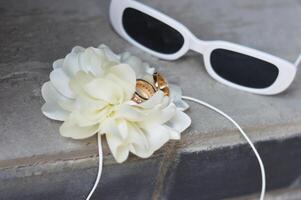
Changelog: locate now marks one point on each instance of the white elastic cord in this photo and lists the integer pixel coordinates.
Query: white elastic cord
(243, 134)
(100, 159)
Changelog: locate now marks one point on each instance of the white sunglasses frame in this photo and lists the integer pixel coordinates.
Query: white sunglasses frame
(287, 70)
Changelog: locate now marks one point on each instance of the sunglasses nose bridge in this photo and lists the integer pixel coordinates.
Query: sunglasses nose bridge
(197, 45)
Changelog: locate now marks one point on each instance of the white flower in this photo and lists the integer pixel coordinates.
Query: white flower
(91, 91)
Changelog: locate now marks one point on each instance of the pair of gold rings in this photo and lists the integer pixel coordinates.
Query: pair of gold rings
(145, 90)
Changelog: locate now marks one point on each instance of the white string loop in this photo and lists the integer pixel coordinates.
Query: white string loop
(263, 184)
(100, 161)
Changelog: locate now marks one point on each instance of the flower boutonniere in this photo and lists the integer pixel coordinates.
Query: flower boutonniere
(95, 91)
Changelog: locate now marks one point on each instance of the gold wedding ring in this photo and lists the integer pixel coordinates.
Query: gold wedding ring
(145, 90)
(161, 83)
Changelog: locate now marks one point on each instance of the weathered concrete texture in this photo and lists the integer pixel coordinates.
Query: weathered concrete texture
(45, 31)
(137, 181)
(234, 171)
(221, 173)
(282, 194)
(35, 33)
(126, 182)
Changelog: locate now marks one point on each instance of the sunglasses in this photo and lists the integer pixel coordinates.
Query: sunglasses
(231, 64)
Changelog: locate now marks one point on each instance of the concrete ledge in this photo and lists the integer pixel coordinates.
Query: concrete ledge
(221, 173)
(38, 163)
(75, 181)
(287, 194)
(233, 171)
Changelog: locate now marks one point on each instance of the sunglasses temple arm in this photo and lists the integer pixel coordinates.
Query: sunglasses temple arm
(298, 61)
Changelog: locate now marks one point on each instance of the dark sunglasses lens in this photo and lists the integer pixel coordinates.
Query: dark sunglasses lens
(242, 69)
(151, 32)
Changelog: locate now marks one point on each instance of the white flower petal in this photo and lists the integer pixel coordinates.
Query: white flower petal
(173, 134)
(119, 150)
(175, 92)
(131, 113)
(135, 63)
(161, 116)
(141, 69)
(140, 151)
(176, 96)
(88, 104)
(125, 73)
(105, 90)
(122, 127)
(109, 126)
(54, 111)
(149, 78)
(137, 138)
(92, 61)
(61, 82)
(179, 122)
(69, 129)
(109, 53)
(71, 64)
(156, 99)
(67, 105)
(127, 88)
(148, 69)
(50, 94)
(58, 64)
(157, 136)
(85, 117)
(77, 49)
(53, 98)
(181, 105)
(122, 153)
(117, 127)
(77, 83)
(137, 135)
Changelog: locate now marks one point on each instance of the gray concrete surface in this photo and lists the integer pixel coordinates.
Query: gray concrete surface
(287, 194)
(35, 33)
(233, 171)
(126, 182)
